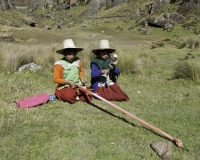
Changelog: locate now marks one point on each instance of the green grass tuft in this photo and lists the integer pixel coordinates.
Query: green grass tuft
(187, 70)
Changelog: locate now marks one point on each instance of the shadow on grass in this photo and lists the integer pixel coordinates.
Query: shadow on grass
(121, 118)
(126, 121)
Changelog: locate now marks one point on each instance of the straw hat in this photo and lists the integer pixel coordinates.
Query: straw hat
(104, 45)
(68, 44)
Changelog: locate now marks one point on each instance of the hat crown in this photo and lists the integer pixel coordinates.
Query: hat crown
(104, 44)
(68, 43)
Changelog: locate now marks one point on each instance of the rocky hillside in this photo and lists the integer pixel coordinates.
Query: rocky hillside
(50, 14)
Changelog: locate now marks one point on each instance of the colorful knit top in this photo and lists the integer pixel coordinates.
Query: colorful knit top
(64, 70)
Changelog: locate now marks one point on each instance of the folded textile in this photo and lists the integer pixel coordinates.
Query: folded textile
(52, 97)
(28, 102)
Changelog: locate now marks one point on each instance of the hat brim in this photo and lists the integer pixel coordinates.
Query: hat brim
(62, 51)
(110, 50)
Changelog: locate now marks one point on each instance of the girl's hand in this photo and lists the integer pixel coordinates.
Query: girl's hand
(71, 84)
(105, 71)
(83, 80)
(111, 66)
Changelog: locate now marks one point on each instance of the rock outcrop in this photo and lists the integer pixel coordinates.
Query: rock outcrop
(148, 13)
(6, 37)
(158, 4)
(35, 4)
(188, 6)
(165, 20)
(7, 4)
(117, 2)
(96, 5)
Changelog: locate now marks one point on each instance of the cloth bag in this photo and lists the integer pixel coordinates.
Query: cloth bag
(28, 102)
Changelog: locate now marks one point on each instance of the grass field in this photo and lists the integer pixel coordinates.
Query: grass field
(61, 131)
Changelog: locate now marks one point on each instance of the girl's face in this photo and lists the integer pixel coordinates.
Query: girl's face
(70, 55)
(104, 55)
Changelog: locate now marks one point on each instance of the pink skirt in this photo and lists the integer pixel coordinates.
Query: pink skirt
(112, 93)
(72, 95)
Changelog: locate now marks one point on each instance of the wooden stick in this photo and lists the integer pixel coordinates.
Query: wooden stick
(173, 139)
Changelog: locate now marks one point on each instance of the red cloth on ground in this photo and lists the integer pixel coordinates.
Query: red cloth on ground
(112, 93)
(69, 95)
(32, 101)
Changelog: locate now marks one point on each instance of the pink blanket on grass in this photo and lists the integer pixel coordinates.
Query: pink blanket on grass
(28, 102)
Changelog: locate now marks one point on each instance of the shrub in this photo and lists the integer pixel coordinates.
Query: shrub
(157, 45)
(15, 60)
(181, 43)
(13, 56)
(187, 70)
(138, 63)
(192, 43)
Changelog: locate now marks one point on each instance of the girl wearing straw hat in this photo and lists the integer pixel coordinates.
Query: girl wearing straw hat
(68, 72)
(104, 73)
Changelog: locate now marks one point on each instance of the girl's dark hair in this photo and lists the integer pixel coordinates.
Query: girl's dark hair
(100, 51)
(66, 51)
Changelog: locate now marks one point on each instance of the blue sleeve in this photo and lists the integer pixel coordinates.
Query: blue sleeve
(95, 71)
(116, 71)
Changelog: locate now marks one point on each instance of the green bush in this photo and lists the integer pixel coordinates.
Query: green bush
(138, 63)
(192, 43)
(157, 44)
(187, 70)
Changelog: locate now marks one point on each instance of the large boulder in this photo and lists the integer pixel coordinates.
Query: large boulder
(188, 6)
(157, 5)
(165, 21)
(151, 7)
(167, 18)
(74, 3)
(96, 5)
(162, 19)
(117, 2)
(29, 21)
(175, 17)
(87, 1)
(7, 4)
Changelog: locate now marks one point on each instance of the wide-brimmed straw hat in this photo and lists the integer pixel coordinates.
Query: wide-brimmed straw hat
(104, 45)
(68, 44)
